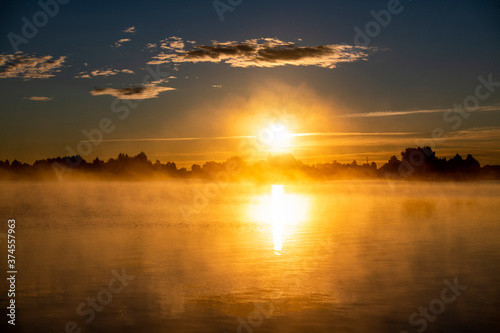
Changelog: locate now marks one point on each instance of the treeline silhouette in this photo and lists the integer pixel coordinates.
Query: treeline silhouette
(419, 163)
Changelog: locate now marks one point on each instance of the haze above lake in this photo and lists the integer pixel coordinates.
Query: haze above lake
(344, 256)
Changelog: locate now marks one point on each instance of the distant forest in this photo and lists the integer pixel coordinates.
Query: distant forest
(419, 163)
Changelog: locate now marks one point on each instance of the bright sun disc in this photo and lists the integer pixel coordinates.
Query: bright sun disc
(276, 137)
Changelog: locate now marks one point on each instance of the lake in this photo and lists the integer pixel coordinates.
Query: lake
(342, 256)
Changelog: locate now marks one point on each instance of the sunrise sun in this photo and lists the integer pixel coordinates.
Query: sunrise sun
(276, 137)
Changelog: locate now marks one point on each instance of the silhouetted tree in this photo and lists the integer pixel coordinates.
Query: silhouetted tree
(416, 163)
(391, 166)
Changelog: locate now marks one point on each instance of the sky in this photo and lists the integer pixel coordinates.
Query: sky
(194, 81)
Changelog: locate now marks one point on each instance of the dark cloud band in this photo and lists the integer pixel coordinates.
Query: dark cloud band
(263, 52)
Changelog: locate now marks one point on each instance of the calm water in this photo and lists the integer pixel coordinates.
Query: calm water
(336, 257)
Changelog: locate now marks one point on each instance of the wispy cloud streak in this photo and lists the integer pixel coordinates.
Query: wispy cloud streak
(180, 139)
(39, 98)
(410, 112)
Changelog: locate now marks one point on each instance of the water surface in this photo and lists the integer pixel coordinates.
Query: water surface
(344, 256)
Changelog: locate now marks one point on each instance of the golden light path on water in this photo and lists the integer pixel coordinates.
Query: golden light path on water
(282, 211)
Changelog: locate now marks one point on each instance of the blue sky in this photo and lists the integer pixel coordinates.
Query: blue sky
(226, 78)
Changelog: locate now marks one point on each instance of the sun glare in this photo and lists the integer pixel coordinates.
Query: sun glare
(276, 137)
(278, 207)
(282, 211)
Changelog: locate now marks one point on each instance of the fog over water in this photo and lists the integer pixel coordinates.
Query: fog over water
(346, 256)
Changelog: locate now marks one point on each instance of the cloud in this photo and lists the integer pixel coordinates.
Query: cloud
(130, 30)
(234, 137)
(350, 134)
(121, 41)
(39, 98)
(418, 111)
(109, 72)
(82, 75)
(172, 43)
(29, 67)
(104, 72)
(160, 81)
(142, 92)
(145, 91)
(477, 133)
(263, 52)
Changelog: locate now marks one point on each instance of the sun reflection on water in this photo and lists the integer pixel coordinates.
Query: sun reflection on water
(278, 216)
(282, 211)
